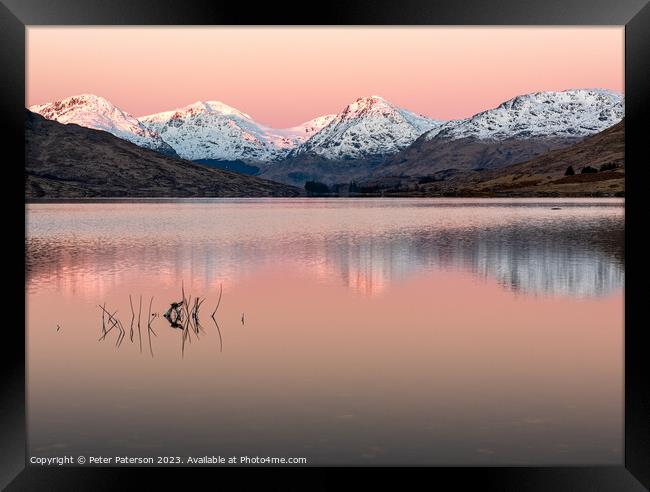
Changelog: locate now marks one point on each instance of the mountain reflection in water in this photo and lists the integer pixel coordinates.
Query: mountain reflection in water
(485, 332)
(367, 244)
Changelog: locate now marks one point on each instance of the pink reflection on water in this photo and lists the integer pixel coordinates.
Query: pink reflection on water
(414, 337)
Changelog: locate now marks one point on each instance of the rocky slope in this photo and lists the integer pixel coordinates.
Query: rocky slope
(546, 174)
(70, 161)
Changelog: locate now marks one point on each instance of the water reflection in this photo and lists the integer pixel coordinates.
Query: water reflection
(558, 259)
(350, 332)
(527, 246)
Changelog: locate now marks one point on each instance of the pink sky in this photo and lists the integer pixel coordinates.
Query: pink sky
(284, 76)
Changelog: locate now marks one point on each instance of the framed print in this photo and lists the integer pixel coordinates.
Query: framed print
(383, 239)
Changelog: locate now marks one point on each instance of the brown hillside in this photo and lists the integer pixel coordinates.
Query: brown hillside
(69, 161)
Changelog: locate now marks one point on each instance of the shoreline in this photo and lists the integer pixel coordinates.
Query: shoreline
(342, 198)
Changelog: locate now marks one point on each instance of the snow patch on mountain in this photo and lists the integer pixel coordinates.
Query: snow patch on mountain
(301, 133)
(91, 111)
(370, 126)
(214, 130)
(570, 113)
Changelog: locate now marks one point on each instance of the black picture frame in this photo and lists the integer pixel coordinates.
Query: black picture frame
(15, 15)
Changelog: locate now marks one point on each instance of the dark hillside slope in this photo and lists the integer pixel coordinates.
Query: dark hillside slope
(69, 161)
(546, 174)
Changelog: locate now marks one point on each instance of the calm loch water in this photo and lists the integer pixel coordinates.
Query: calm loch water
(415, 331)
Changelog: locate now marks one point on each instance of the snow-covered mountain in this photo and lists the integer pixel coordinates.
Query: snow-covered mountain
(516, 131)
(370, 126)
(570, 113)
(91, 111)
(365, 134)
(214, 130)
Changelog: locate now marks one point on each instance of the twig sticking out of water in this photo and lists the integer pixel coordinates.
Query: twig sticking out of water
(149, 329)
(132, 319)
(219, 300)
(103, 322)
(186, 324)
(115, 323)
(188, 312)
(58, 327)
(215, 321)
(120, 337)
(188, 317)
(153, 316)
(111, 319)
(139, 331)
(195, 315)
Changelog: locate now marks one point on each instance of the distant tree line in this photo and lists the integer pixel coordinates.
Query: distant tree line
(427, 179)
(316, 188)
(357, 188)
(590, 170)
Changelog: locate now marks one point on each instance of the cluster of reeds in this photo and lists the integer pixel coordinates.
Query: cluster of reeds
(182, 315)
(185, 316)
(110, 321)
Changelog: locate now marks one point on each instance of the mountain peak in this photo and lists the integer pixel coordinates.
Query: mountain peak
(369, 126)
(85, 97)
(216, 131)
(372, 99)
(194, 110)
(212, 106)
(97, 112)
(367, 104)
(73, 103)
(583, 96)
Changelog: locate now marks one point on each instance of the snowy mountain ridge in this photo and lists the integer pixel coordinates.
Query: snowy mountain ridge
(91, 111)
(214, 130)
(570, 113)
(370, 126)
